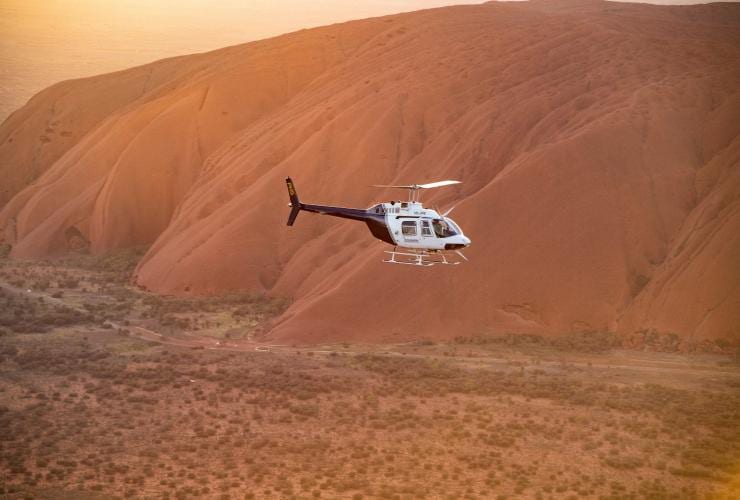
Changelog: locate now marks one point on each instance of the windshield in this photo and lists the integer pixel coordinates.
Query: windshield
(453, 225)
(442, 229)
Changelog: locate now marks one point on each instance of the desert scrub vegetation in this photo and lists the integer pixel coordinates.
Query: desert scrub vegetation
(95, 415)
(238, 304)
(97, 289)
(22, 314)
(592, 342)
(114, 269)
(117, 265)
(603, 342)
(231, 316)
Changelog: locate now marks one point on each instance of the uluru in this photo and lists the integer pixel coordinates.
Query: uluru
(598, 145)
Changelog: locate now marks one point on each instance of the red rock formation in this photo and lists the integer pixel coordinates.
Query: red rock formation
(597, 143)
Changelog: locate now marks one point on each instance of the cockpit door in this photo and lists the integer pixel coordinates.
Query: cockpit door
(426, 229)
(410, 231)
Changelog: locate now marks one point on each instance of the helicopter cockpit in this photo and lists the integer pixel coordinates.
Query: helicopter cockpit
(445, 228)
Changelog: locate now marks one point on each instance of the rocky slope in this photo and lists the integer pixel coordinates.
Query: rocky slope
(598, 144)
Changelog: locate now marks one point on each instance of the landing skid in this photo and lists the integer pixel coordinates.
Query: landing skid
(421, 258)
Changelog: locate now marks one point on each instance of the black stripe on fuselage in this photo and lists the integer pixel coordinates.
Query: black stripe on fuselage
(380, 229)
(375, 222)
(345, 213)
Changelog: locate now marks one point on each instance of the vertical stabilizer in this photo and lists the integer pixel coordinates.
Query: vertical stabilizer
(295, 205)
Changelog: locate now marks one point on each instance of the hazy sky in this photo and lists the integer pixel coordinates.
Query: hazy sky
(45, 41)
(220, 20)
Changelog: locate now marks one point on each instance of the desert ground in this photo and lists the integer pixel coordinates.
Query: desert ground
(109, 391)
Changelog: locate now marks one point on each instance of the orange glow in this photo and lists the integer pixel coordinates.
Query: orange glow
(45, 41)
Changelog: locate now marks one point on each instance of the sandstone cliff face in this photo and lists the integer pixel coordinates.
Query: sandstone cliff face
(598, 145)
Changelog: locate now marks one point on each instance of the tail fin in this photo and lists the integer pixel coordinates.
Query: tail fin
(294, 203)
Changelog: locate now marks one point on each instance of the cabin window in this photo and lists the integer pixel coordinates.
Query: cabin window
(425, 229)
(408, 228)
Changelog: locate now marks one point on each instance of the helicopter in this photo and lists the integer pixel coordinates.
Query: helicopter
(424, 236)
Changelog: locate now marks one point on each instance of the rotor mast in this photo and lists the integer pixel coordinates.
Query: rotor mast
(414, 193)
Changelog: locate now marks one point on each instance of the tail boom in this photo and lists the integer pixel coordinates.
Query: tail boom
(345, 213)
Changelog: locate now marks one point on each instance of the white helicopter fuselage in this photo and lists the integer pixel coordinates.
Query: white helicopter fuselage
(412, 226)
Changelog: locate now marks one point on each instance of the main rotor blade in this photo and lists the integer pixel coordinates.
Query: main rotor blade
(437, 184)
(399, 187)
(419, 186)
(448, 212)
